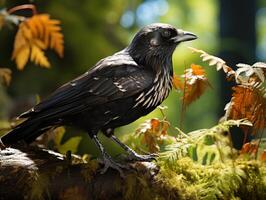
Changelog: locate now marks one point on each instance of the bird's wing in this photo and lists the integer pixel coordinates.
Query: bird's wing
(111, 79)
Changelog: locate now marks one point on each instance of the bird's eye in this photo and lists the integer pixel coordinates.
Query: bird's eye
(166, 33)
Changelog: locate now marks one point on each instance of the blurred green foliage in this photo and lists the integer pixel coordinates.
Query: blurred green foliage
(92, 31)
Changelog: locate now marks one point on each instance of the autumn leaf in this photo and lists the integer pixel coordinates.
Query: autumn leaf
(35, 35)
(248, 103)
(249, 148)
(263, 156)
(177, 83)
(153, 133)
(5, 75)
(195, 84)
(155, 125)
(48, 31)
(38, 57)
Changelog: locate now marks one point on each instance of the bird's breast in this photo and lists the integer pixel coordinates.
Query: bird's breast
(155, 95)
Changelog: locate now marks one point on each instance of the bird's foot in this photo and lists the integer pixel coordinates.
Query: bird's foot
(133, 156)
(110, 163)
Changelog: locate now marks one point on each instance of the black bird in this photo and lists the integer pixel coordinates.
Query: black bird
(118, 90)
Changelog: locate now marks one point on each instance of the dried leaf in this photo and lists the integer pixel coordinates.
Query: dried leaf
(165, 126)
(248, 103)
(5, 75)
(177, 83)
(155, 125)
(245, 72)
(195, 84)
(153, 133)
(249, 148)
(260, 65)
(263, 156)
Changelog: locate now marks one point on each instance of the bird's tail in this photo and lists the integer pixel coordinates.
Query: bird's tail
(26, 131)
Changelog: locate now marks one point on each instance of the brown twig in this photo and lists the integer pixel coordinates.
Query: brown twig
(183, 106)
(23, 7)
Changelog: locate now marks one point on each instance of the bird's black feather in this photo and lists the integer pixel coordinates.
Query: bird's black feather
(116, 91)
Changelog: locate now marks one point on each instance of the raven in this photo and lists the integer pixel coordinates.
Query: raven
(118, 90)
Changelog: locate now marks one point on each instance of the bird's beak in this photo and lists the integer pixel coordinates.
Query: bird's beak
(184, 36)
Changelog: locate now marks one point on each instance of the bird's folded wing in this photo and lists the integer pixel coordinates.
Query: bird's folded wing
(99, 86)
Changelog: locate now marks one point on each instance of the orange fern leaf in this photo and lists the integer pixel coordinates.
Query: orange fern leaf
(177, 83)
(35, 35)
(195, 84)
(38, 57)
(49, 31)
(249, 103)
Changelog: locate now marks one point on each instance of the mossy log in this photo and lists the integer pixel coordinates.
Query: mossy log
(35, 173)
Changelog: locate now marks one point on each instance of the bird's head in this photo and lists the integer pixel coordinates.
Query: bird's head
(157, 42)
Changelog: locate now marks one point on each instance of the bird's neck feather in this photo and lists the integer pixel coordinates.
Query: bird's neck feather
(160, 63)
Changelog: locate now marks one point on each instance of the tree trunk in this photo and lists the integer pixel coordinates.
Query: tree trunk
(237, 45)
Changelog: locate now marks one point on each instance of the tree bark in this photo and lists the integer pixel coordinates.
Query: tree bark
(35, 173)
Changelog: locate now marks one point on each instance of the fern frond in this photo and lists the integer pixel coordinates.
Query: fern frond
(213, 60)
(204, 146)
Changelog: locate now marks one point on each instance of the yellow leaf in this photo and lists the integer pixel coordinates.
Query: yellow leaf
(35, 35)
(20, 41)
(22, 57)
(26, 31)
(71, 144)
(49, 31)
(58, 135)
(36, 26)
(5, 75)
(39, 43)
(38, 57)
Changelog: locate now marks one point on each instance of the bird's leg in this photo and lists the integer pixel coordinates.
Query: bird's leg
(132, 154)
(107, 159)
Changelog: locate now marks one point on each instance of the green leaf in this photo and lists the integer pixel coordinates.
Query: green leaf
(71, 144)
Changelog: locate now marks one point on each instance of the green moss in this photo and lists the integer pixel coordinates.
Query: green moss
(39, 187)
(203, 165)
(189, 180)
(89, 169)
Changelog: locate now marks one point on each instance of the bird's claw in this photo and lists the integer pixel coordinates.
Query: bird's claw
(110, 163)
(142, 158)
